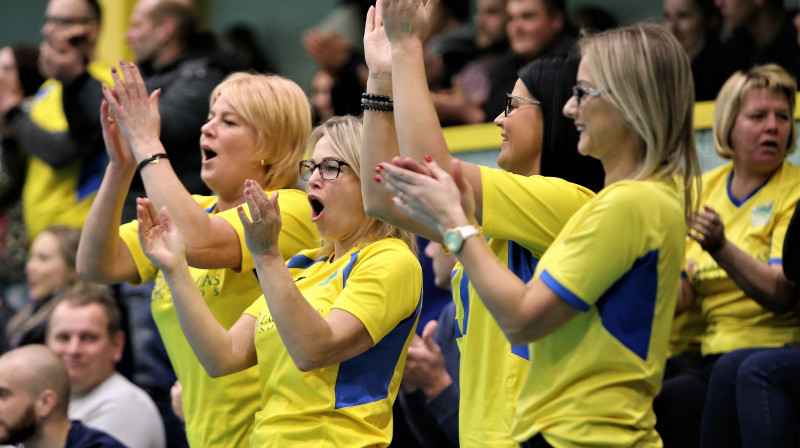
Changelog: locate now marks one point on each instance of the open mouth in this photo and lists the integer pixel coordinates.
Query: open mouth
(208, 154)
(770, 144)
(316, 207)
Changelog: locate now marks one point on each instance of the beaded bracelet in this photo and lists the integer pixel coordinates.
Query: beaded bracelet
(381, 103)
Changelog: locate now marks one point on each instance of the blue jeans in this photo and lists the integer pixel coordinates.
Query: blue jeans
(751, 399)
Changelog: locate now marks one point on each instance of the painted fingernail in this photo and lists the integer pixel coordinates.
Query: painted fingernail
(428, 158)
(378, 179)
(113, 69)
(378, 169)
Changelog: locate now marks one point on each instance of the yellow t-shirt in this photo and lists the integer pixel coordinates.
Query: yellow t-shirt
(347, 404)
(61, 195)
(219, 411)
(492, 371)
(618, 259)
(756, 225)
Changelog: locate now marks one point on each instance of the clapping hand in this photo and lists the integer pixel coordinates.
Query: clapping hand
(136, 113)
(161, 240)
(428, 193)
(403, 18)
(261, 233)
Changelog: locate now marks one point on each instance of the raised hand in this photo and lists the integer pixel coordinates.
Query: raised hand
(377, 49)
(135, 111)
(160, 238)
(404, 18)
(261, 233)
(433, 199)
(707, 229)
(119, 152)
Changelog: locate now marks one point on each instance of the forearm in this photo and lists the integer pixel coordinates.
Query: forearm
(210, 341)
(763, 283)
(309, 338)
(54, 148)
(102, 256)
(418, 129)
(379, 144)
(207, 246)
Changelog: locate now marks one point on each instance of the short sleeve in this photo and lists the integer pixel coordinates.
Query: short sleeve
(599, 246)
(383, 288)
(530, 211)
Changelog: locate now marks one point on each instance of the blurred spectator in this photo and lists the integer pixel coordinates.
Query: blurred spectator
(19, 74)
(35, 396)
(85, 331)
(696, 23)
(337, 48)
(594, 19)
(64, 165)
(51, 272)
(242, 43)
(321, 85)
(450, 43)
(762, 32)
(535, 28)
(462, 103)
(429, 393)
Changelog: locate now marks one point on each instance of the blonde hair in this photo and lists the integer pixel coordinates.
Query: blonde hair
(732, 95)
(280, 113)
(344, 136)
(650, 79)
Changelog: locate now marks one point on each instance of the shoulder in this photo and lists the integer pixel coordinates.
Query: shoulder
(81, 436)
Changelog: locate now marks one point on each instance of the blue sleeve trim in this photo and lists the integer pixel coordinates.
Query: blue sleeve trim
(567, 295)
(775, 261)
(684, 274)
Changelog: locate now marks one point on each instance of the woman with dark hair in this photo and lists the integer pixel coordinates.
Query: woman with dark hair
(597, 308)
(536, 139)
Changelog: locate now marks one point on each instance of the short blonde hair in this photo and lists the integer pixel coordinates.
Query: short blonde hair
(279, 111)
(731, 98)
(650, 79)
(344, 136)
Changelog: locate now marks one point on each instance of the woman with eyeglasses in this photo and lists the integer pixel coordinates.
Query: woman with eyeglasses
(598, 309)
(331, 332)
(257, 128)
(536, 139)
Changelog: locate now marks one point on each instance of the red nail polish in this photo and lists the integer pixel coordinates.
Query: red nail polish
(378, 169)
(378, 179)
(428, 158)
(113, 69)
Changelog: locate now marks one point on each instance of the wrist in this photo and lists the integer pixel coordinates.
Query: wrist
(380, 83)
(436, 387)
(404, 43)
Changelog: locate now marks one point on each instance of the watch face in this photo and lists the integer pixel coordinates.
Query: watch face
(452, 240)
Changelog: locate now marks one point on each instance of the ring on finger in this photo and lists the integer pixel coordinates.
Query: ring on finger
(256, 221)
(111, 119)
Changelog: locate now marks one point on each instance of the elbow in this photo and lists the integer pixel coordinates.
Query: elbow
(90, 272)
(306, 362)
(214, 371)
(516, 337)
(376, 209)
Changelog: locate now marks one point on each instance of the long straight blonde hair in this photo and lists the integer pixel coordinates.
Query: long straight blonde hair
(650, 79)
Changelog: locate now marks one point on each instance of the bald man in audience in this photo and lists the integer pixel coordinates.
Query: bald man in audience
(34, 396)
(84, 330)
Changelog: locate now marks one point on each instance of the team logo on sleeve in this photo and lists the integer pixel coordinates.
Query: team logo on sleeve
(762, 214)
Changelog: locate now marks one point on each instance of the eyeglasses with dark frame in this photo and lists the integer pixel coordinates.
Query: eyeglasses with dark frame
(510, 96)
(329, 168)
(581, 92)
